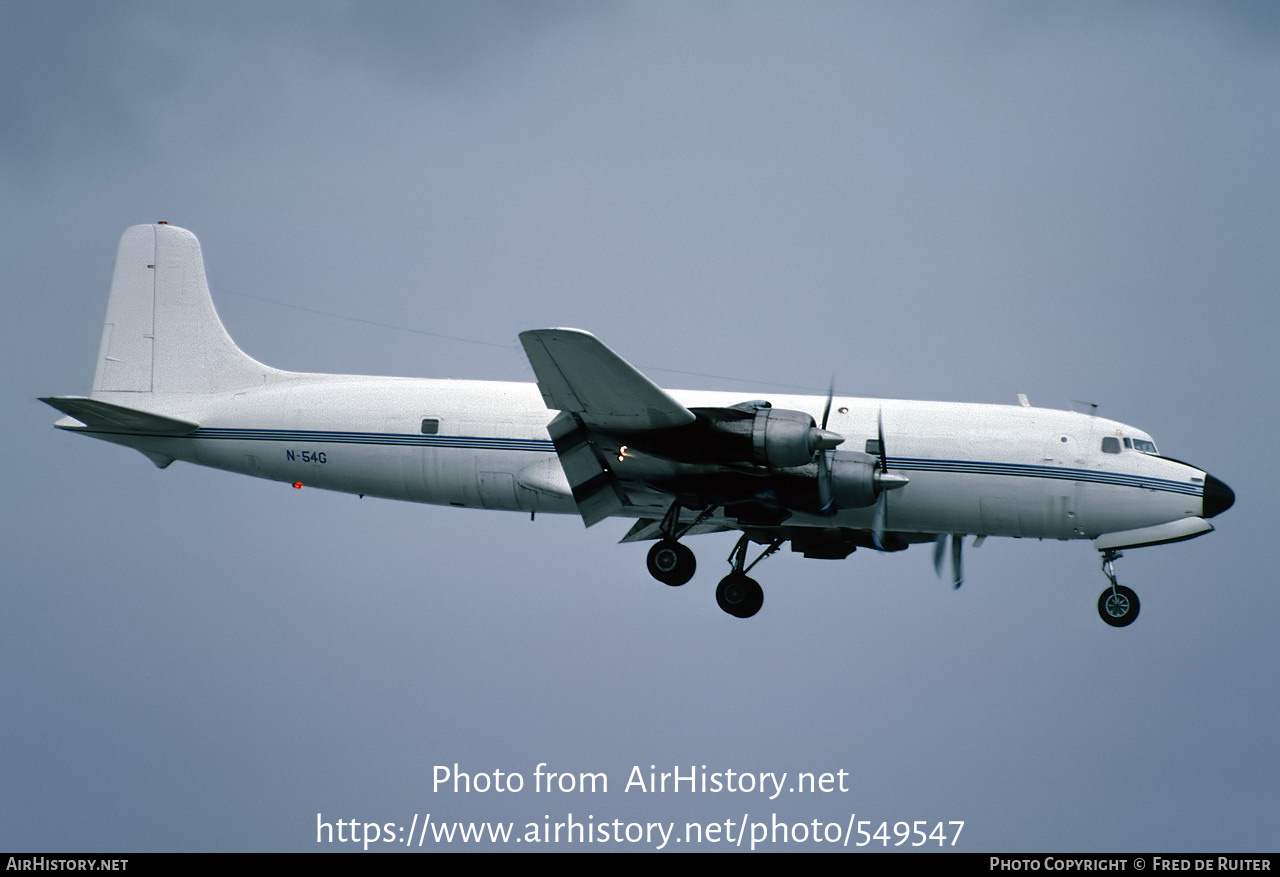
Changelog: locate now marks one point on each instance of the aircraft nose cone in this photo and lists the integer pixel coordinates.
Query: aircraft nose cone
(1217, 496)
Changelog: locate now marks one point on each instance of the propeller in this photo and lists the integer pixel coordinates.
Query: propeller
(824, 442)
(957, 546)
(826, 505)
(885, 482)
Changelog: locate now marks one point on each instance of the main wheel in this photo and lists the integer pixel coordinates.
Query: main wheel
(671, 563)
(1118, 606)
(739, 595)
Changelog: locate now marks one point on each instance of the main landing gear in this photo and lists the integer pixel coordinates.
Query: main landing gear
(1117, 605)
(673, 564)
(670, 562)
(739, 594)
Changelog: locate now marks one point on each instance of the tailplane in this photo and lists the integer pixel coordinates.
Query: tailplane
(162, 334)
(94, 415)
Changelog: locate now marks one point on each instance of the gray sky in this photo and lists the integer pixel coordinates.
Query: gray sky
(927, 200)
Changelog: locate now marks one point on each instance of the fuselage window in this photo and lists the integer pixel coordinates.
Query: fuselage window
(430, 426)
(1111, 445)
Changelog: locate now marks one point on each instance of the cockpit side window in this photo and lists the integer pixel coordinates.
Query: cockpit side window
(1110, 445)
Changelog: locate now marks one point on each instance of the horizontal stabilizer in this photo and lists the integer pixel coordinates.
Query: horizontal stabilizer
(578, 374)
(99, 416)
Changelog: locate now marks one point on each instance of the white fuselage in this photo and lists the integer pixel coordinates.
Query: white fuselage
(994, 470)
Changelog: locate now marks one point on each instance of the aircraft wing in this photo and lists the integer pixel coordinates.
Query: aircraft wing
(579, 375)
(596, 392)
(627, 447)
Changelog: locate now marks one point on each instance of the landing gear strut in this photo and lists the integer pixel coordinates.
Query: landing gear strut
(670, 562)
(1117, 605)
(739, 594)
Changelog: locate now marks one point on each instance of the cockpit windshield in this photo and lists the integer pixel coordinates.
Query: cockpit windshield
(1111, 445)
(1143, 445)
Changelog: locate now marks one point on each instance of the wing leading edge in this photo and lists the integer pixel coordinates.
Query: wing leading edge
(579, 375)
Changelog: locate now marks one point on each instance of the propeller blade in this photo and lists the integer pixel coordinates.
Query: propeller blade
(957, 571)
(823, 441)
(884, 458)
(878, 522)
(957, 559)
(826, 505)
(882, 499)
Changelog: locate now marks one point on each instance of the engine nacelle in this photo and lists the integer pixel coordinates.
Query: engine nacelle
(752, 432)
(853, 479)
(782, 439)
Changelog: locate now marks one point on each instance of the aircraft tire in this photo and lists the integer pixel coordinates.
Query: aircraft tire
(1119, 609)
(739, 595)
(671, 563)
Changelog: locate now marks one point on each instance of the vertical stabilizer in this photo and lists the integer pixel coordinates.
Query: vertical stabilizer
(162, 334)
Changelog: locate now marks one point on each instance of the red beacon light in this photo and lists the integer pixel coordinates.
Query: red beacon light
(297, 485)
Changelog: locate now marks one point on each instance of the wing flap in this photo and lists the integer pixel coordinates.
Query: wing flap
(595, 487)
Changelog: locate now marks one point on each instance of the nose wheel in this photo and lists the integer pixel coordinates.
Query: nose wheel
(1117, 605)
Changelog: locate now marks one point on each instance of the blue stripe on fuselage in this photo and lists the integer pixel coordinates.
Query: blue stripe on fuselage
(493, 443)
(976, 467)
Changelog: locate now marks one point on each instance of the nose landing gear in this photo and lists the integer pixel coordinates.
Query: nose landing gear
(1117, 605)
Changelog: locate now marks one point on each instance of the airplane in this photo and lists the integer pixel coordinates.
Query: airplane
(596, 438)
